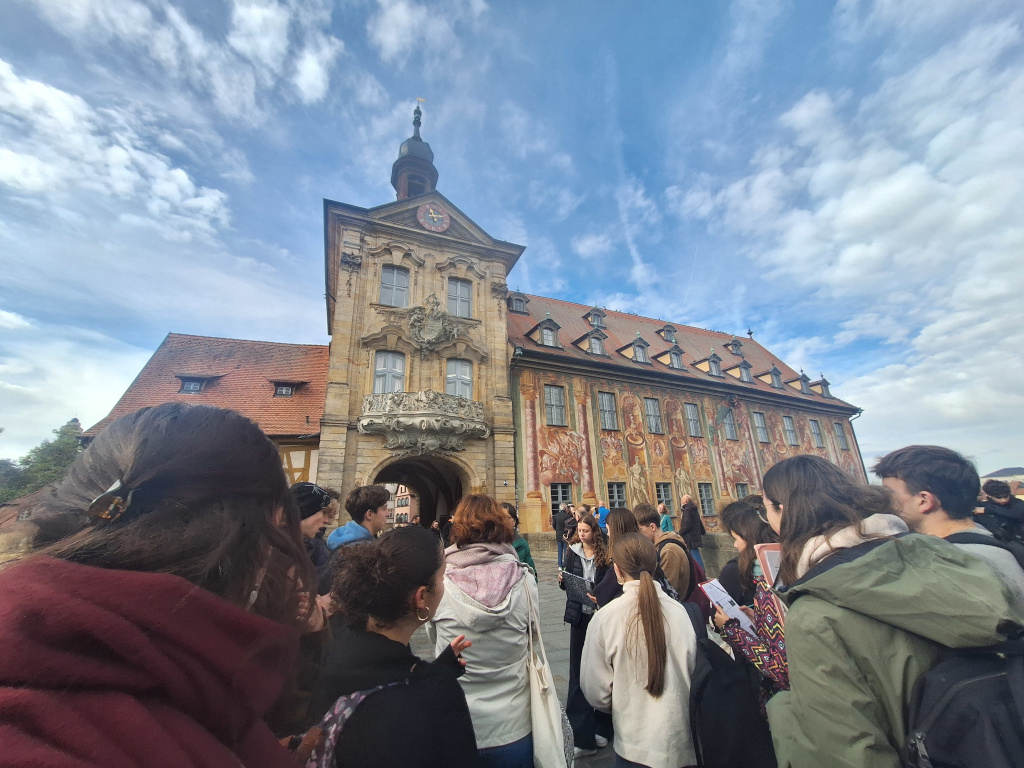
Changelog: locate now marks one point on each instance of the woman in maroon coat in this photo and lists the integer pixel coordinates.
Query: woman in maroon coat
(162, 622)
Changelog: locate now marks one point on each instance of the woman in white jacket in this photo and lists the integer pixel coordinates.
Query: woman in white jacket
(486, 599)
(637, 662)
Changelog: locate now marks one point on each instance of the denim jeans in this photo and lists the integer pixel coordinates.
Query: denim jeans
(518, 754)
(561, 551)
(696, 556)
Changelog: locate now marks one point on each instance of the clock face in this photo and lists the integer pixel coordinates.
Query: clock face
(433, 217)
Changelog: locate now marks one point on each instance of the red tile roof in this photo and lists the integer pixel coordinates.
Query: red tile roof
(621, 329)
(240, 376)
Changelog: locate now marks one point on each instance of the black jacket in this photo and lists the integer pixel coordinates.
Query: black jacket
(320, 555)
(730, 579)
(1006, 522)
(558, 523)
(691, 527)
(574, 565)
(570, 528)
(420, 725)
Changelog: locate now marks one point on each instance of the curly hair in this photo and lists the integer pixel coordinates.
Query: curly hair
(479, 519)
(600, 550)
(376, 580)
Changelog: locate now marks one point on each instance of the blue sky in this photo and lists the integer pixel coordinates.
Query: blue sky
(844, 179)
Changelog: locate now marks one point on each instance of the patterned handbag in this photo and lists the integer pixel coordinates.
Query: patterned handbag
(334, 721)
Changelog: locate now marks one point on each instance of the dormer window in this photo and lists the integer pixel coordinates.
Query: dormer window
(824, 387)
(284, 390)
(518, 305)
(596, 318)
(596, 345)
(745, 373)
(668, 333)
(804, 385)
(192, 386)
(517, 302)
(547, 337)
(675, 360)
(735, 346)
(776, 375)
(715, 365)
(640, 353)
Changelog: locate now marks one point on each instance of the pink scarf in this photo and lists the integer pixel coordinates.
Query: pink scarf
(485, 572)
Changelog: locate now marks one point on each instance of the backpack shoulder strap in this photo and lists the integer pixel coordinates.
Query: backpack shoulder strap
(969, 537)
(334, 721)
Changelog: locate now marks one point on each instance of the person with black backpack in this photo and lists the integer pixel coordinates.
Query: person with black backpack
(935, 490)
(872, 609)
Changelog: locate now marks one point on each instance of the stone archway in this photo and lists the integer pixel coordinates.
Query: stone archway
(438, 482)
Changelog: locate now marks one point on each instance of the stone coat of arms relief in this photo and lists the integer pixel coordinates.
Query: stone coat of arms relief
(430, 326)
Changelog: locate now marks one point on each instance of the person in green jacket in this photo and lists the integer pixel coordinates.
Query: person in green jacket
(869, 613)
(522, 546)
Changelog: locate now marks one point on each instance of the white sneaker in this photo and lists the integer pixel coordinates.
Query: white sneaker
(602, 742)
(579, 752)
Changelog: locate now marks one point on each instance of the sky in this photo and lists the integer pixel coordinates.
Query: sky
(846, 180)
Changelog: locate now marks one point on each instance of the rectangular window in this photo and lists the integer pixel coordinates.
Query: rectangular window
(707, 499)
(640, 353)
(761, 426)
(841, 436)
(715, 367)
(790, 429)
(664, 492)
(459, 379)
(283, 390)
(191, 386)
(742, 490)
(389, 372)
(730, 426)
(561, 493)
(394, 286)
(693, 420)
(547, 337)
(675, 360)
(554, 405)
(819, 441)
(653, 410)
(518, 305)
(616, 495)
(606, 407)
(745, 374)
(460, 297)
(596, 346)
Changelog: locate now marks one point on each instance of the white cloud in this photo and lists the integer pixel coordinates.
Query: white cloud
(900, 210)
(259, 32)
(313, 66)
(402, 29)
(592, 245)
(12, 321)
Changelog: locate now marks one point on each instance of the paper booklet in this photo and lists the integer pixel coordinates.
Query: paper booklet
(718, 595)
(577, 588)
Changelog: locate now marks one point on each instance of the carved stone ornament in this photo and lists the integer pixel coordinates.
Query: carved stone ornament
(499, 288)
(430, 326)
(351, 261)
(426, 422)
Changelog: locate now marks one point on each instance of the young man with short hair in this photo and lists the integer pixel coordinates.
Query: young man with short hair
(673, 557)
(368, 507)
(936, 490)
(1002, 513)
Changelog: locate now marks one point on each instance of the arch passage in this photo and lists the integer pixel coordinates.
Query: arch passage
(438, 483)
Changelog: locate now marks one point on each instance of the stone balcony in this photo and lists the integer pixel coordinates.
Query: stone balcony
(425, 422)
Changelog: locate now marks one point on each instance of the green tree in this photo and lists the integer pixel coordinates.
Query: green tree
(48, 462)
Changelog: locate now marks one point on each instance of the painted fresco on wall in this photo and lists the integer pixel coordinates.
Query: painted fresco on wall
(561, 456)
(735, 457)
(661, 460)
(611, 457)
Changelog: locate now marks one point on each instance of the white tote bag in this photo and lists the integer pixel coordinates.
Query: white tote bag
(552, 734)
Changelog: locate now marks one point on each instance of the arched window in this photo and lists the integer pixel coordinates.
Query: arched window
(547, 337)
(640, 353)
(388, 372)
(459, 380)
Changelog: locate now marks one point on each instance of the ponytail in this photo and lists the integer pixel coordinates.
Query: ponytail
(653, 622)
(635, 555)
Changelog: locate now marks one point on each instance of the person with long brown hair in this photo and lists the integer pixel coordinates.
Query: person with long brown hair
(486, 597)
(638, 660)
(162, 621)
(588, 559)
(871, 608)
(742, 577)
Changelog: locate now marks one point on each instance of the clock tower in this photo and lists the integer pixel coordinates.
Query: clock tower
(418, 385)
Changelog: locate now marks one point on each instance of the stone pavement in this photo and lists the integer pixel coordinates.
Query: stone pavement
(556, 642)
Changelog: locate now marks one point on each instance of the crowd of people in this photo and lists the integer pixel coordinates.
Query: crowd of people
(185, 607)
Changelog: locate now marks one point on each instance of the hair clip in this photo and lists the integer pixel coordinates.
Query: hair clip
(112, 504)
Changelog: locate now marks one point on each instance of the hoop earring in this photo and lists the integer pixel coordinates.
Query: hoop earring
(422, 618)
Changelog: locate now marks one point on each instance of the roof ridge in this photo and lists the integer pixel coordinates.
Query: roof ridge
(674, 323)
(245, 341)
